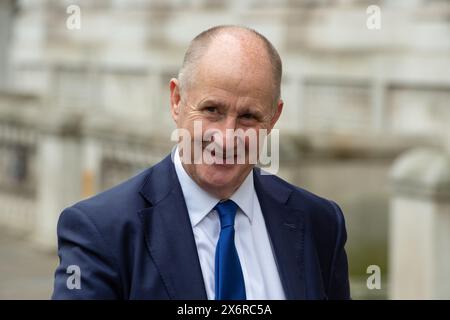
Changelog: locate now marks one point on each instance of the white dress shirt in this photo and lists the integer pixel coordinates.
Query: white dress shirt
(253, 245)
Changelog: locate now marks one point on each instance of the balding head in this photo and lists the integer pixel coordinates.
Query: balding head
(230, 80)
(231, 44)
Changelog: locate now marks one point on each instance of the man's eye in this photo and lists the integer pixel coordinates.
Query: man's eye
(211, 109)
(247, 116)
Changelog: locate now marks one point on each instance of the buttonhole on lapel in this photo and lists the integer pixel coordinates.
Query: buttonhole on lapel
(290, 225)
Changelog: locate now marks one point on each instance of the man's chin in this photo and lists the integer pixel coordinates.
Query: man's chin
(221, 175)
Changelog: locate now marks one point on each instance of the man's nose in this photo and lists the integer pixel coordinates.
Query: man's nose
(230, 122)
(227, 126)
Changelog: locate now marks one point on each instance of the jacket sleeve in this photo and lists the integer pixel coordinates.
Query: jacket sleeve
(87, 269)
(339, 288)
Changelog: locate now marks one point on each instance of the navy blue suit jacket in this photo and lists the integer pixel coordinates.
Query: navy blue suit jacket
(135, 241)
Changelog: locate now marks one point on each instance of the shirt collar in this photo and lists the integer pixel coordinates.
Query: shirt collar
(199, 202)
(244, 195)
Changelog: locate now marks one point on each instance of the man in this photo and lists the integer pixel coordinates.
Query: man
(187, 229)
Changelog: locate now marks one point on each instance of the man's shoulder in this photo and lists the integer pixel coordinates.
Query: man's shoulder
(119, 203)
(125, 195)
(121, 196)
(318, 208)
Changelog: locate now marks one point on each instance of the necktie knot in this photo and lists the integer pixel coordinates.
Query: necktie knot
(227, 212)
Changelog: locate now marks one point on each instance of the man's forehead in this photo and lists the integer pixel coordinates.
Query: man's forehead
(241, 48)
(234, 69)
(223, 87)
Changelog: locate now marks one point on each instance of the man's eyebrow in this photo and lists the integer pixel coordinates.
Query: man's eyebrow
(212, 102)
(251, 109)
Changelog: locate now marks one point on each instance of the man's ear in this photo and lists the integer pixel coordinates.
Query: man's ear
(277, 113)
(175, 99)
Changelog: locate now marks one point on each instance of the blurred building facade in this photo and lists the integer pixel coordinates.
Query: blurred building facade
(83, 109)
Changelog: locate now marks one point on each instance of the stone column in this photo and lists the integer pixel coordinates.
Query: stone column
(419, 243)
(6, 20)
(59, 172)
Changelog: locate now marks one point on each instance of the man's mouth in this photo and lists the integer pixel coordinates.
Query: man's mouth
(227, 157)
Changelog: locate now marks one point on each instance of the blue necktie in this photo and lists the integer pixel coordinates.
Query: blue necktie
(228, 274)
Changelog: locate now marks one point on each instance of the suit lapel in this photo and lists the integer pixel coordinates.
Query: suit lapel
(171, 244)
(168, 234)
(286, 231)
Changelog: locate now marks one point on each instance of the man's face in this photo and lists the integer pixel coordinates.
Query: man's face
(228, 91)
